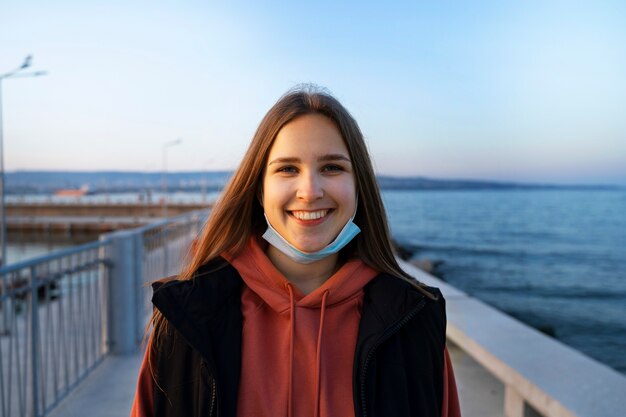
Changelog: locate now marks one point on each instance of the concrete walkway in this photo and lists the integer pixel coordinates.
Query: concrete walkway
(107, 392)
(480, 394)
(110, 389)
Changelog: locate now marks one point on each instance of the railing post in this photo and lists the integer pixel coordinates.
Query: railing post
(139, 285)
(513, 402)
(164, 242)
(34, 339)
(6, 306)
(123, 293)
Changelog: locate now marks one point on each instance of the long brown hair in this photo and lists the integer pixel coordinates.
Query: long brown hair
(238, 214)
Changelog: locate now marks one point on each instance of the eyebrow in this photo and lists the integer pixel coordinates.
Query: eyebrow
(323, 158)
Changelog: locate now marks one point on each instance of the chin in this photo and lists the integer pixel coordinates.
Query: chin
(309, 247)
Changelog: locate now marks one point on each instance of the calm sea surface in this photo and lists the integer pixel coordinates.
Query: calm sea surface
(554, 259)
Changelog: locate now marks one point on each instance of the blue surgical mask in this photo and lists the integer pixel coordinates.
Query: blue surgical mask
(349, 231)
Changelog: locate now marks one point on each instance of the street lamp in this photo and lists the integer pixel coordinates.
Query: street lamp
(166, 145)
(16, 73)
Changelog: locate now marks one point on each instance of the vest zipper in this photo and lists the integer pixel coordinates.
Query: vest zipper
(390, 331)
(213, 396)
(214, 406)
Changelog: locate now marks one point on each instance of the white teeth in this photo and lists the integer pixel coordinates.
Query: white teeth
(309, 215)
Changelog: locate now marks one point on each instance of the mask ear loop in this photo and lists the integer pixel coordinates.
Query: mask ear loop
(356, 206)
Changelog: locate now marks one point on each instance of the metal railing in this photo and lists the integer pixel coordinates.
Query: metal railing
(165, 246)
(53, 315)
(63, 313)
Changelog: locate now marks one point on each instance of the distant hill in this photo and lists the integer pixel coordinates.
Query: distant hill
(422, 183)
(47, 182)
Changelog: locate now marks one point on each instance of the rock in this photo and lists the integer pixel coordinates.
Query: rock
(429, 266)
(402, 251)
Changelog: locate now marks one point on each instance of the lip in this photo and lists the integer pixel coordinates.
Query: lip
(310, 223)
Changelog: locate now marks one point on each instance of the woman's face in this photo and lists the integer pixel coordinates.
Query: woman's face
(309, 192)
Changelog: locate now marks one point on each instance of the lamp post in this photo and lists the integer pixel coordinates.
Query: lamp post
(16, 73)
(166, 145)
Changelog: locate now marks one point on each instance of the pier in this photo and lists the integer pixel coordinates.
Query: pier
(71, 217)
(97, 209)
(78, 346)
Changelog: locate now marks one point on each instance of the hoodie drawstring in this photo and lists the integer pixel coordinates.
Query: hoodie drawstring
(318, 353)
(318, 359)
(292, 319)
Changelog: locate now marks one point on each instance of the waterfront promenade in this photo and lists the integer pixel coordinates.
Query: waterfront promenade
(503, 367)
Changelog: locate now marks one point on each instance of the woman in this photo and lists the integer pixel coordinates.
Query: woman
(293, 303)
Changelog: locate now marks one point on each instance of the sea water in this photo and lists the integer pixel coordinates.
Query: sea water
(556, 259)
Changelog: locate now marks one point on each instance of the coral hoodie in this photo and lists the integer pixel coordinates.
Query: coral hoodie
(298, 350)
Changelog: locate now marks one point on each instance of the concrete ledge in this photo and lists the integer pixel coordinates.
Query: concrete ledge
(553, 378)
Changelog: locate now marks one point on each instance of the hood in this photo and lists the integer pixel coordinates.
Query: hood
(262, 277)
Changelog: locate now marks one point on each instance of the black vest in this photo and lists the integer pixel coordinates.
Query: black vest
(398, 364)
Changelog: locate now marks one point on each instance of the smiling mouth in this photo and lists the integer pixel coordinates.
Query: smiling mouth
(309, 215)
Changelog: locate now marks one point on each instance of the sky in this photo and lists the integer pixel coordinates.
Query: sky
(529, 91)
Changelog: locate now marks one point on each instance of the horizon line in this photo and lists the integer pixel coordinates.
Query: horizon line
(510, 182)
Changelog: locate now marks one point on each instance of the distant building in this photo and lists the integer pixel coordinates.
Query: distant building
(84, 190)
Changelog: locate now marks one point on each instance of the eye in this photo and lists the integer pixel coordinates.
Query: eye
(332, 168)
(288, 169)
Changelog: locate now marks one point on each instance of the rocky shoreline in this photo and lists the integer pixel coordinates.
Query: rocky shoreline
(430, 266)
(434, 268)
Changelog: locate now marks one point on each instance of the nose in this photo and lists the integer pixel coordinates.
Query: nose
(310, 187)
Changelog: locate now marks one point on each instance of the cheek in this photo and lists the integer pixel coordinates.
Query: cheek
(347, 191)
(275, 195)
